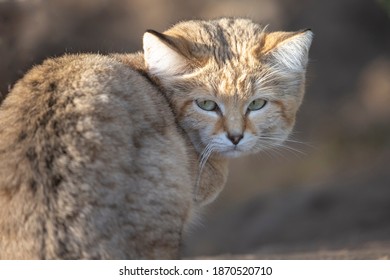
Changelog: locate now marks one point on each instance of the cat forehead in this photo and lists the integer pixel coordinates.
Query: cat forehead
(230, 87)
(238, 29)
(232, 82)
(224, 38)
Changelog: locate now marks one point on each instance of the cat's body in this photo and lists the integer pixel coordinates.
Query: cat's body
(109, 156)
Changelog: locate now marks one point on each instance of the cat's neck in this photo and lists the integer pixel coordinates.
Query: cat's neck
(210, 180)
(134, 60)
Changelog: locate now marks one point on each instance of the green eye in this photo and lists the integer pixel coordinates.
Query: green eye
(257, 104)
(207, 105)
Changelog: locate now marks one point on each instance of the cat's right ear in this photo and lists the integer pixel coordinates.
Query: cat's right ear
(288, 49)
(162, 57)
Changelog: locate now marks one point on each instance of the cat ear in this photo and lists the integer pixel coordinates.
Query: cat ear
(288, 49)
(161, 55)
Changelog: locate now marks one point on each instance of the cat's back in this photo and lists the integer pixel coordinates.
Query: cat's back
(89, 156)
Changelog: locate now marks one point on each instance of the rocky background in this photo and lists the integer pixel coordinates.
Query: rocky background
(327, 198)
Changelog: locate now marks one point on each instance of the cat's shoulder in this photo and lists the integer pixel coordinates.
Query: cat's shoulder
(92, 76)
(78, 70)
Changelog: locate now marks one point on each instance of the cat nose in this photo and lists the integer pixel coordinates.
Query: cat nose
(235, 138)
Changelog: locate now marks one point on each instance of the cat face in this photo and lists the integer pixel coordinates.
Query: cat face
(235, 89)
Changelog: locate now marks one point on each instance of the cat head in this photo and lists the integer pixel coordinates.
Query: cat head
(235, 88)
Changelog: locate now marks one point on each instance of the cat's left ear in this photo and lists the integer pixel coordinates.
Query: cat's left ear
(163, 55)
(287, 49)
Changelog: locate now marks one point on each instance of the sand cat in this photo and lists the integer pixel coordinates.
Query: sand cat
(107, 157)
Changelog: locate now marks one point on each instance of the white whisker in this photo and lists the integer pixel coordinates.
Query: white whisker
(264, 146)
(292, 151)
(204, 156)
(287, 140)
(278, 144)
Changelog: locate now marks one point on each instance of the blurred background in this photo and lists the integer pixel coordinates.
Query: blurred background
(332, 192)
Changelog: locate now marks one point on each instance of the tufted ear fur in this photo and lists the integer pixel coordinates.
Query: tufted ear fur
(287, 49)
(163, 56)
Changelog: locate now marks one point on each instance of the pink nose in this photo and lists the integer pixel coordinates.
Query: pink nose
(235, 138)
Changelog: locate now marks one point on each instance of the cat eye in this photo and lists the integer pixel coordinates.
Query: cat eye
(257, 104)
(207, 105)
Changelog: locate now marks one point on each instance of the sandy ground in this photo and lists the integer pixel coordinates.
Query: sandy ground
(379, 251)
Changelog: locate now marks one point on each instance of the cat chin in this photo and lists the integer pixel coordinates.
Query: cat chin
(233, 153)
